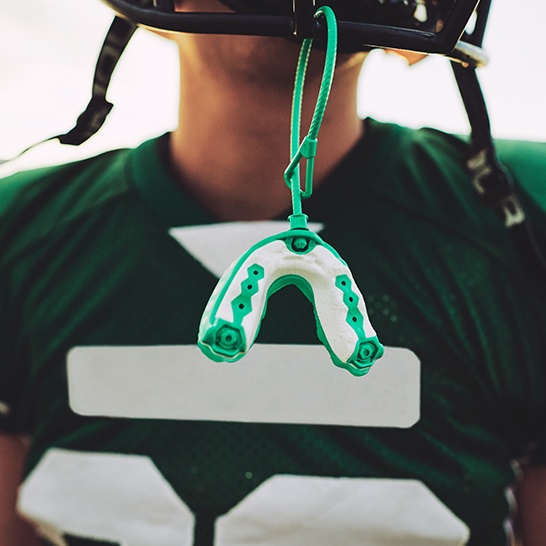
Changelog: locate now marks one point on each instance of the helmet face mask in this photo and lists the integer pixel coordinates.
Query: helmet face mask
(428, 26)
(426, 15)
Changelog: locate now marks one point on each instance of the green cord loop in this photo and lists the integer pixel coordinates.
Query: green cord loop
(308, 147)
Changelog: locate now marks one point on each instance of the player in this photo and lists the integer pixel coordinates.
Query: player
(136, 438)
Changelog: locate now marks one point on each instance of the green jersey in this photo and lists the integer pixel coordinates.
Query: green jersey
(106, 266)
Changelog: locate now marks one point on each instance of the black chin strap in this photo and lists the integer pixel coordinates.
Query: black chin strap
(492, 182)
(94, 115)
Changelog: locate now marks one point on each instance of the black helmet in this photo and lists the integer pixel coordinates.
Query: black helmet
(428, 26)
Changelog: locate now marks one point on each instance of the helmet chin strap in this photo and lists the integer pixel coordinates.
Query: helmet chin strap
(94, 116)
(492, 183)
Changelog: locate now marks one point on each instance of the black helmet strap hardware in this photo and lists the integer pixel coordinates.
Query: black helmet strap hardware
(94, 115)
(492, 183)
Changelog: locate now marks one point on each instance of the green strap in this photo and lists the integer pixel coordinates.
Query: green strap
(308, 147)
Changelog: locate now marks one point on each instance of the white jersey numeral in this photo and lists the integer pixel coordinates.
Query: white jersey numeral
(125, 499)
(109, 497)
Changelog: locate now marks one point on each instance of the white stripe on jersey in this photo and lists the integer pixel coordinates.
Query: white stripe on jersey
(272, 384)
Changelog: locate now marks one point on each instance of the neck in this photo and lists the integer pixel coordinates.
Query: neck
(232, 143)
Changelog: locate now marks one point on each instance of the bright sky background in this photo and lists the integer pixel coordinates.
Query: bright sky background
(48, 50)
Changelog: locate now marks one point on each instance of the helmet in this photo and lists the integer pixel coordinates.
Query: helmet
(427, 26)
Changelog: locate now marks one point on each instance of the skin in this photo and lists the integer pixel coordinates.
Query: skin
(14, 531)
(232, 143)
(532, 506)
